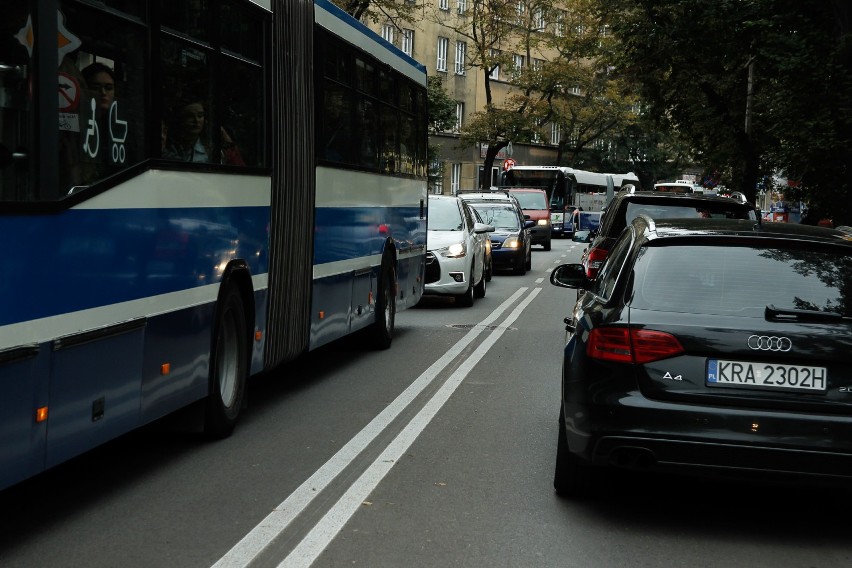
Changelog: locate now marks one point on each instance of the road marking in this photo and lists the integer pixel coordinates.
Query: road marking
(307, 551)
(540, 280)
(253, 544)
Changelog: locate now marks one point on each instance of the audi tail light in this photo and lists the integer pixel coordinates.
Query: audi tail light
(625, 345)
(594, 260)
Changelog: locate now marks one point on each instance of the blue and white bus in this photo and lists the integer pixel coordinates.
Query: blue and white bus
(191, 193)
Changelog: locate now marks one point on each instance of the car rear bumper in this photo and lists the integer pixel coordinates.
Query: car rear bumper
(646, 434)
(504, 259)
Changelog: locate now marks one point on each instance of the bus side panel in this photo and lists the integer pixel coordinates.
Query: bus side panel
(261, 298)
(330, 315)
(94, 393)
(23, 382)
(410, 272)
(181, 340)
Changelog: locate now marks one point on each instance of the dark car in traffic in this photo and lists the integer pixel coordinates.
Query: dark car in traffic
(627, 205)
(511, 241)
(710, 346)
(536, 208)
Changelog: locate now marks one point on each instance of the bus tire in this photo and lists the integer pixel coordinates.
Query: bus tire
(228, 366)
(381, 331)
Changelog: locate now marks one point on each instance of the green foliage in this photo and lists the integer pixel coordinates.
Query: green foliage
(442, 109)
(691, 62)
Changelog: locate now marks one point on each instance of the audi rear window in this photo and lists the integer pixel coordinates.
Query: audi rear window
(741, 280)
(709, 210)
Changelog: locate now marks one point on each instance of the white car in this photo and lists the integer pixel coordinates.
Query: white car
(456, 244)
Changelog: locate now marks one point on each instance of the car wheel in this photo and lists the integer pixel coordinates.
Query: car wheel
(479, 290)
(490, 270)
(547, 244)
(466, 300)
(571, 478)
(528, 264)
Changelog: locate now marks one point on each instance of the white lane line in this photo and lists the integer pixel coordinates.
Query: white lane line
(307, 551)
(251, 545)
(540, 280)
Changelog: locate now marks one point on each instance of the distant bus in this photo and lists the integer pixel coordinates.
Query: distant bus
(568, 189)
(217, 188)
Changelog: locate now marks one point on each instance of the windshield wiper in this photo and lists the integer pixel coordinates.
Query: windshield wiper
(794, 314)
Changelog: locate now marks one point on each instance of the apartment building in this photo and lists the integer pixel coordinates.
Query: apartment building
(437, 39)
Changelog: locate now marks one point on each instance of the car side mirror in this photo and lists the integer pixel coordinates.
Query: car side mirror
(570, 276)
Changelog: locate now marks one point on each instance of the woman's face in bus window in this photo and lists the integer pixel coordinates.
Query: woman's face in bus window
(103, 89)
(192, 119)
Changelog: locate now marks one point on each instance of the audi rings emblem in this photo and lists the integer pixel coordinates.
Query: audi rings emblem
(769, 343)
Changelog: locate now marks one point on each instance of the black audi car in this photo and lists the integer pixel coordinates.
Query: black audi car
(713, 346)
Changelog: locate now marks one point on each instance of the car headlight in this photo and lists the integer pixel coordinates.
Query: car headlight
(455, 250)
(512, 242)
(544, 222)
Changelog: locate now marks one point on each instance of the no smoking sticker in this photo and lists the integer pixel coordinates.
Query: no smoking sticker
(69, 93)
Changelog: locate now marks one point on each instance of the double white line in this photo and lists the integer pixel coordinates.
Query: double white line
(304, 554)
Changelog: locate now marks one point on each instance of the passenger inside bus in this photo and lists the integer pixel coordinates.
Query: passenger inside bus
(187, 139)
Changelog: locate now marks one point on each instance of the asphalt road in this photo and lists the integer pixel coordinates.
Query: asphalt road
(438, 452)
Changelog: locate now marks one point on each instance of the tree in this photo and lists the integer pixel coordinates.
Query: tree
(376, 11)
(754, 86)
(442, 117)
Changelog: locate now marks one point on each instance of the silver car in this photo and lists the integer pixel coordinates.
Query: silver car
(456, 250)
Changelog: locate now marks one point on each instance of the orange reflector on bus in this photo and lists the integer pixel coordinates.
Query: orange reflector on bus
(258, 335)
(370, 298)
(321, 315)
(165, 368)
(41, 414)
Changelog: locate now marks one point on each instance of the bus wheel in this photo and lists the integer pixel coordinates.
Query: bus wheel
(228, 367)
(381, 331)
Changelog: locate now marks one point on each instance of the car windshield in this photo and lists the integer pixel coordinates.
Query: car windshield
(741, 280)
(444, 215)
(500, 217)
(531, 200)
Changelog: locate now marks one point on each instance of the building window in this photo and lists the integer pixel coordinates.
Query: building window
(443, 45)
(521, 10)
(559, 27)
(537, 64)
(555, 133)
(461, 49)
(455, 178)
(444, 4)
(539, 18)
(517, 65)
(495, 72)
(459, 116)
(408, 42)
(387, 33)
(461, 6)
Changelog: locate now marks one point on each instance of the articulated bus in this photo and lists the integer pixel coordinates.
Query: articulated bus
(568, 189)
(192, 193)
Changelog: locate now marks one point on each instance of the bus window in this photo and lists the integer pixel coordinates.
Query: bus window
(104, 124)
(15, 110)
(186, 103)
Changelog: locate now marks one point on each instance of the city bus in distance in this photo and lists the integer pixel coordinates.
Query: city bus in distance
(190, 194)
(568, 189)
